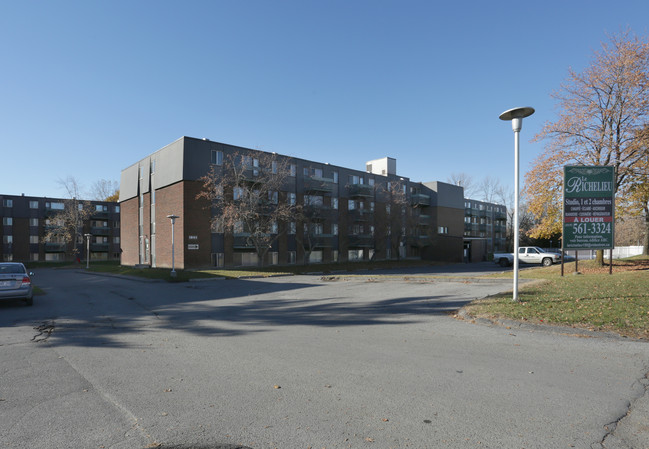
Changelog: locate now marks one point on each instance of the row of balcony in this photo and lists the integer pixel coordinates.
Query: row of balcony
(62, 247)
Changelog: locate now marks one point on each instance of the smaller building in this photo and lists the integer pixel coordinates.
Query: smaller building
(27, 219)
(485, 229)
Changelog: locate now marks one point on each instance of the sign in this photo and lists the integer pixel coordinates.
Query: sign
(588, 207)
(192, 246)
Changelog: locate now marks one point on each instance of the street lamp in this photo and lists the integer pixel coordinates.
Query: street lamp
(87, 236)
(516, 116)
(173, 266)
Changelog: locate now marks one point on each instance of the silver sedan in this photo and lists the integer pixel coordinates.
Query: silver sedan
(15, 282)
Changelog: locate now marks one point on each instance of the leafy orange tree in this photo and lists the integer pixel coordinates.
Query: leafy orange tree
(602, 114)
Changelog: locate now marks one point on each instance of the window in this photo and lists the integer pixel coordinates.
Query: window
(313, 200)
(371, 181)
(33, 222)
(273, 197)
(274, 257)
(99, 208)
(442, 230)
(7, 221)
(334, 254)
(117, 209)
(33, 257)
(8, 203)
(237, 193)
(273, 166)
(8, 239)
(354, 255)
(7, 257)
(334, 228)
(335, 176)
(292, 169)
(291, 198)
(334, 203)
(33, 204)
(54, 206)
(217, 157)
(371, 206)
(291, 257)
(351, 204)
(291, 228)
(273, 228)
(116, 240)
(33, 239)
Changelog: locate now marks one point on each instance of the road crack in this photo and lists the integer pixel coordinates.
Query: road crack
(44, 332)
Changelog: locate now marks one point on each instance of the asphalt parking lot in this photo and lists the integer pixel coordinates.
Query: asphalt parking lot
(303, 361)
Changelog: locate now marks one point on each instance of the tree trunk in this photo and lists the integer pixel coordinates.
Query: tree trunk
(599, 257)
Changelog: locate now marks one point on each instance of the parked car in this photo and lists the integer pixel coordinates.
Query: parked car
(15, 282)
(528, 254)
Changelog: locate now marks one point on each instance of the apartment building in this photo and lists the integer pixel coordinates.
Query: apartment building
(354, 219)
(485, 229)
(27, 219)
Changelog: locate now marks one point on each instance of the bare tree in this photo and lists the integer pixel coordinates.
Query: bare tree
(244, 193)
(466, 181)
(65, 224)
(105, 190)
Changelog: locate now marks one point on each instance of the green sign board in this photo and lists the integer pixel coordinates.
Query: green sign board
(588, 207)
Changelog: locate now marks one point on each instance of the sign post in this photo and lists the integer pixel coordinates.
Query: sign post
(589, 207)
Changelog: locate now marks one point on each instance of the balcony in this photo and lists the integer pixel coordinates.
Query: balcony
(360, 190)
(424, 219)
(420, 199)
(100, 230)
(316, 184)
(360, 241)
(317, 211)
(99, 215)
(55, 247)
(418, 240)
(360, 214)
(243, 241)
(100, 247)
(320, 241)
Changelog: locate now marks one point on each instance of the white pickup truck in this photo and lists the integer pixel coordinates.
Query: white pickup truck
(528, 254)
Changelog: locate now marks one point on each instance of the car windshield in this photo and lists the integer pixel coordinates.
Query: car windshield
(11, 269)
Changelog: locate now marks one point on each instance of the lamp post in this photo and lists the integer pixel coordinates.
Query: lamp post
(516, 116)
(87, 236)
(173, 265)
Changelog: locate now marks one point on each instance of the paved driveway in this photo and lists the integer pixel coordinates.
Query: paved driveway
(298, 362)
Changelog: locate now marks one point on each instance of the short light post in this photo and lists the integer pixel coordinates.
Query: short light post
(516, 116)
(87, 236)
(173, 264)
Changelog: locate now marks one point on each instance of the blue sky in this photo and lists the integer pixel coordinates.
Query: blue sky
(87, 88)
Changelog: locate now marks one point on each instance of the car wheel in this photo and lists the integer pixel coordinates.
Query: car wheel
(29, 301)
(547, 262)
(503, 263)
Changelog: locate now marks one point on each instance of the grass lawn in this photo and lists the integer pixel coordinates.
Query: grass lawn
(593, 300)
